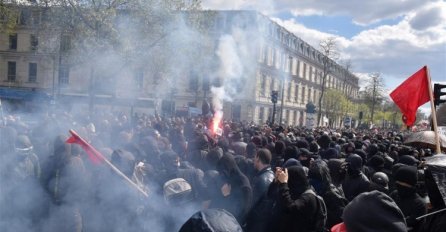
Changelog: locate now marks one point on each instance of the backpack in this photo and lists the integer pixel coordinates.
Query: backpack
(321, 212)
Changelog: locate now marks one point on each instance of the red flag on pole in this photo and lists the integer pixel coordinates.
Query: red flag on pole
(411, 94)
(94, 155)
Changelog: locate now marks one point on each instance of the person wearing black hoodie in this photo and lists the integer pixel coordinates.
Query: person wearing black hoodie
(295, 206)
(371, 212)
(406, 196)
(356, 182)
(236, 191)
(319, 178)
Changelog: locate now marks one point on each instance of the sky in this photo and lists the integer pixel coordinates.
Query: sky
(395, 38)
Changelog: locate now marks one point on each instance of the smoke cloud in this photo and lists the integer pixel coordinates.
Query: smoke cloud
(70, 192)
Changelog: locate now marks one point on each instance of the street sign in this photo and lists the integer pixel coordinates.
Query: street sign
(347, 121)
(309, 124)
(442, 130)
(310, 108)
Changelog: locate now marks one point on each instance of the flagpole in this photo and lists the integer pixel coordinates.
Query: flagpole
(113, 167)
(433, 113)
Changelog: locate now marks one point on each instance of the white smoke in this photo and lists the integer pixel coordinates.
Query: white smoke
(237, 53)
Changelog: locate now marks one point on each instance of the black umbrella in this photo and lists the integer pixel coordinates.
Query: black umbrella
(437, 166)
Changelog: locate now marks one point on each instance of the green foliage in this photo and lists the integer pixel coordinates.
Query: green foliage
(8, 18)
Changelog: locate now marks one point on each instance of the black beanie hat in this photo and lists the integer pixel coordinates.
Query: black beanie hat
(407, 174)
(355, 161)
(376, 161)
(382, 214)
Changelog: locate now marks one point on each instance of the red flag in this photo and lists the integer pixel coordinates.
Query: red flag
(95, 156)
(339, 228)
(411, 94)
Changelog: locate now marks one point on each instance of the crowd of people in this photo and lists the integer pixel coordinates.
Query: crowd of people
(249, 178)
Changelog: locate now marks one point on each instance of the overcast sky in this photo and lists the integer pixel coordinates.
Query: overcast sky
(393, 37)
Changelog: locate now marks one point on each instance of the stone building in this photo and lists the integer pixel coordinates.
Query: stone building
(245, 52)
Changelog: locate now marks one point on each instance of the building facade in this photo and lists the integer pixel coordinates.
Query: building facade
(270, 58)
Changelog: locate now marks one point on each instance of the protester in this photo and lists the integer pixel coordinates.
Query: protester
(320, 180)
(355, 182)
(407, 198)
(259, 215)
(236, 191)
(71, 192)
(371, 212)
(296, 206)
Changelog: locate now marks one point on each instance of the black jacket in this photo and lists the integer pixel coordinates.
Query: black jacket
(411, 205)
(238, 203)
(335, 203)
(295, 214)
(261, 182)
(294, 208)
(354, 185)
(260, 213)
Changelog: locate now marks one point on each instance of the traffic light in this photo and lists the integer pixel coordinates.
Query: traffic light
(438, 93)
(274, 95)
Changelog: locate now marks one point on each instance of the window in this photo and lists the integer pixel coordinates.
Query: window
(263, 85)
(311, 73)
(13, 41)
(295, 117)
(11, 71)
(287, 116)
(25, 16)
(65, 43)
(32, 72)
(34, 42)
(193, 81)
(303, 96)
(289, 91)
(261, 114)
(64, 75)
(35, 18)
(304, 74)
(273, 84)
(206, 84)
(297, 67)
(139, 78)
(316, 73)
(314, 96)
(273, 57)
(296, 93)
(301, 118)
(309, 94)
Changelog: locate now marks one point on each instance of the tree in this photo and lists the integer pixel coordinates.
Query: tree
(110, 40)
(328, 48)
(9, 16)
(334, 105)
(374, 93)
